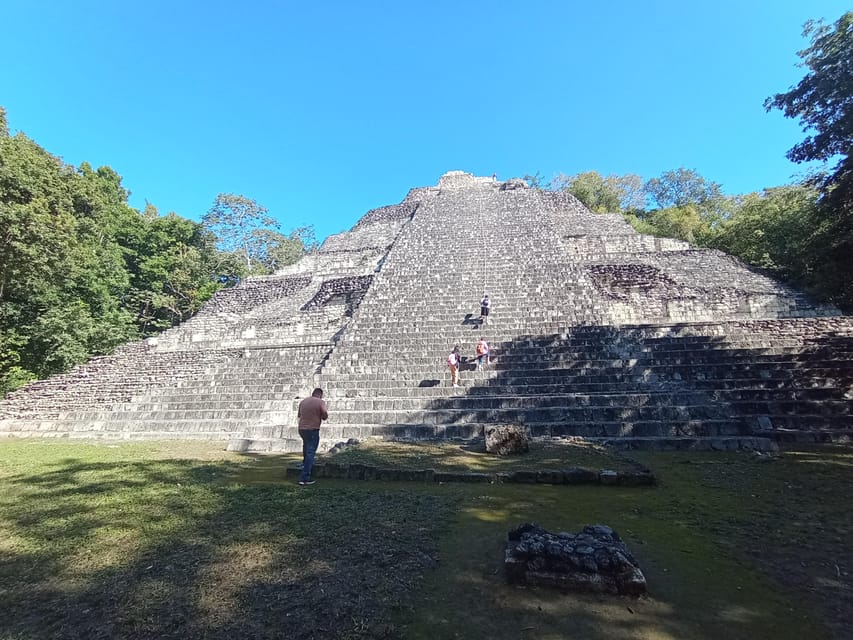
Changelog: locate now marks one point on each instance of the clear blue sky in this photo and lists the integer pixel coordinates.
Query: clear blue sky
(322, 110)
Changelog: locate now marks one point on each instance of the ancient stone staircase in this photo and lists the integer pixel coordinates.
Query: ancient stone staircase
(596, 332)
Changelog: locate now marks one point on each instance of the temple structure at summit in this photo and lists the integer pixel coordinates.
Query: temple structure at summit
(596, 332)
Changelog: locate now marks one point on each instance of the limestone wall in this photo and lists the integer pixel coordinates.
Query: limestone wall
(462, 180)
(395, 212)
(378, 234)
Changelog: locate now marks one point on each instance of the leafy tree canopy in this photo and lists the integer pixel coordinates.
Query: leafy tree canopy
(682, 187)
(236, 220)
(823, 102)
(249, 237)
(600, 194)
(81, 271)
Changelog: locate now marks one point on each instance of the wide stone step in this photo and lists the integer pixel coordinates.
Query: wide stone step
(785, 394)
(211, 403)
(499, 364)
(211, 436)
(781, 407)
(430, 346)
(740, 389)
(811, 422)
(568, 414)
(477, 402)
(177, 414)
(817, 435)
(650, 428)
(659, 443)
(221, 396)
(240, 385)
(124, 428)
(822, 376)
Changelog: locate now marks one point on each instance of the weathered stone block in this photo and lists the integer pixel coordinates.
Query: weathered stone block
(523, 477)
(594, 560)
(580, 475)
(608, 477)
(550, 477)
(447, 476)
(506, 440)
(636, 478)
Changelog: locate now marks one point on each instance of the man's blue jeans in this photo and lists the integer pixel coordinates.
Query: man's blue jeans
(310, 442)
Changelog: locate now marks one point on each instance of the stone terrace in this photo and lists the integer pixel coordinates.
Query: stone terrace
(596, 332)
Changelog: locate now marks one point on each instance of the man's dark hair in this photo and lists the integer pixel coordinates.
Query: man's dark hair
(317, 393)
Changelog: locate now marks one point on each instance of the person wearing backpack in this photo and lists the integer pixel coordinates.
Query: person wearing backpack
(485, 306)
(454, 360)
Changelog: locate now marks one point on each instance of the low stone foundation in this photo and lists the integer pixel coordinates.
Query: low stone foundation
(569, 476)
(594, 560)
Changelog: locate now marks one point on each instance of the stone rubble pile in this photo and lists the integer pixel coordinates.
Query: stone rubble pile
(507, 439)
(594, 560)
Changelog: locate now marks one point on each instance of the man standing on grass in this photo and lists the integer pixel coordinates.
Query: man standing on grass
(312, 412)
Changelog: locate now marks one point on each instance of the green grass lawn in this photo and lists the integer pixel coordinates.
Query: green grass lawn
(161, 540)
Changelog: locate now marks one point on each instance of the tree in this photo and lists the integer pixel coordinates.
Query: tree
(823, 101)
(682, 187)
(275, 250)
(234, 219)
(611, 194)
(597, 193)
(632, 192)
(37, 226)
(535, 180)
(683, 223)
(774, 230)
(61, 269)
(81, 271)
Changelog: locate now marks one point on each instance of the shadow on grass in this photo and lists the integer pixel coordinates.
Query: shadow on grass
(167, 549)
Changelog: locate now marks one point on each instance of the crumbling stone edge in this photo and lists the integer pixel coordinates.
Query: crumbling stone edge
(568, 476)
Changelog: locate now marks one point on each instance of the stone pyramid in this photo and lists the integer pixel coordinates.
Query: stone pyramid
(596, 332)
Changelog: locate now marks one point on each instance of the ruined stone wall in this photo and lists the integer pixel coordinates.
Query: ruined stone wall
(335, 262)
(418, 194)
(379, 234)
(462, 180)
(253, 293)
(395, 212)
